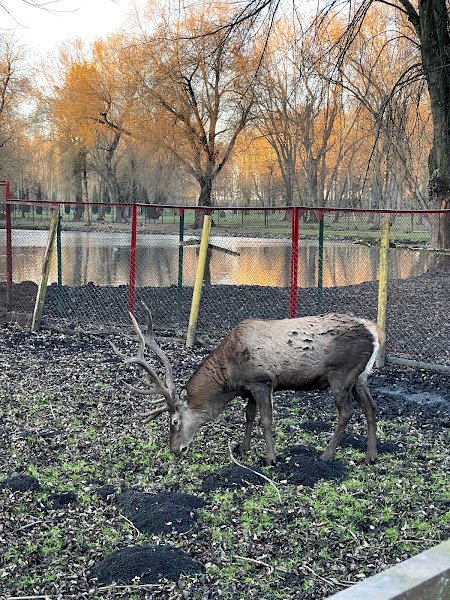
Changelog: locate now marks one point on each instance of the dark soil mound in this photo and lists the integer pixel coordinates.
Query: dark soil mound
(159, 513)
(106, 492)
(360, 443)
(150, 563)
(179, 499)
(62, 500)
(232, 476)
(316, 426)
(21, 483)
(298, 465)
(301, 465)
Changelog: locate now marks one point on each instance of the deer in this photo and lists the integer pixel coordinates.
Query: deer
(258, 358)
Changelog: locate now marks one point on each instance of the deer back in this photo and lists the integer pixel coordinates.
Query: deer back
(291, 353)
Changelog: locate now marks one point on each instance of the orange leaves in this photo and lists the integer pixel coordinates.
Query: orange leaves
(254, 156)
(184, 89)
(96, 98)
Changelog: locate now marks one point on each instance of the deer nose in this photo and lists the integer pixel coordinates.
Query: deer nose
(183, 450)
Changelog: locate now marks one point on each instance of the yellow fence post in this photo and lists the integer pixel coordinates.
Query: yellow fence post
(42, 290)
(383, 284)
(190, 338)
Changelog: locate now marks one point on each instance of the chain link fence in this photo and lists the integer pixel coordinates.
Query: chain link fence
(108, 258)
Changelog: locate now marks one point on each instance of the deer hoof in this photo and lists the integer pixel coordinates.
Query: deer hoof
(370, 460)
(239, 450)
(326, 456)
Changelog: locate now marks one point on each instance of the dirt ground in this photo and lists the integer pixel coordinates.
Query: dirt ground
(23, 300)
(94, 506)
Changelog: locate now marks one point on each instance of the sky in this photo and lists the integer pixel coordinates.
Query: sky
(42, 31)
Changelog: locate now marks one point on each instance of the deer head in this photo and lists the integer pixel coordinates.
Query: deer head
(182, 428)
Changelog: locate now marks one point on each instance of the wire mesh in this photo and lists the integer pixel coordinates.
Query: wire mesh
(2, 232)
(248, 271)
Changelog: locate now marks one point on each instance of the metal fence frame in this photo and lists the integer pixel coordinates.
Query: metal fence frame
(294, 218)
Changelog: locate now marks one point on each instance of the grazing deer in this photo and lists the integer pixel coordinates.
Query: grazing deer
(259, 357)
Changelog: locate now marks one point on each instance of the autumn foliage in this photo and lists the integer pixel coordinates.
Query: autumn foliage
(183, 109)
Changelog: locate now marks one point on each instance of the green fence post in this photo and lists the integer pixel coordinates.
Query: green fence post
(59, 262)
(320, 215)
(180, 265)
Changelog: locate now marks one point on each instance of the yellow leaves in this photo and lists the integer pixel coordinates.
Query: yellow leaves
(254, 156)
(96, 98)
(182, 84)
(77, 104)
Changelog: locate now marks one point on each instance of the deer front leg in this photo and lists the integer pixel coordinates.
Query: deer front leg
(263, 397)
(250, 414)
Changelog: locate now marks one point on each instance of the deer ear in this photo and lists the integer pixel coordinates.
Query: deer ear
(183, 397)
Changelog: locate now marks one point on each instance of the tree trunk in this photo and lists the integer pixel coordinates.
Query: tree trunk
(85, 189)
(101, 208)
(204, 199)
(110, 177)
(435, 49)
(78, 213)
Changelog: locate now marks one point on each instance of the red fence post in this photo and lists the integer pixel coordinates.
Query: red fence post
(133, 242)
(8, 247)
(293, 279)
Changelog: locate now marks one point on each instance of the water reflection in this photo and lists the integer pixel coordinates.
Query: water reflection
(103, 258)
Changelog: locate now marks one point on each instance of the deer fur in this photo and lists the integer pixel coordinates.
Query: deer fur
(260, 357)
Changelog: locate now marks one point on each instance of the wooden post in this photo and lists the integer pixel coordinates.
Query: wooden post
(42, 290)
(190, 338)
(383, 274)
(59, 262)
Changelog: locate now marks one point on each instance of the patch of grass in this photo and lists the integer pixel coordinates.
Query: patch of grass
(308, 546)
(51, 541)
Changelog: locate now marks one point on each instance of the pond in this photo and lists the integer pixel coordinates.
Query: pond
(103, 258)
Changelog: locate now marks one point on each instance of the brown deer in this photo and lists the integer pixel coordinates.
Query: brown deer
(260, 357)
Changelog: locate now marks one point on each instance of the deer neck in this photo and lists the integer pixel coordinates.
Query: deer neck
(207, 395)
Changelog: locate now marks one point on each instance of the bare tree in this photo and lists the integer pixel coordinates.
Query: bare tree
(430, 36)
(392, 113)
(44, 4)
(13, 84)
(198, 88)
(280, 99)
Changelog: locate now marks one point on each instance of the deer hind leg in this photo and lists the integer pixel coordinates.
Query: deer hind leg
(250, 414)
(343, 401)
(263, 397)
(368, 405)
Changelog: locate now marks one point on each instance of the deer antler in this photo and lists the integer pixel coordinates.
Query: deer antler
(164, 387)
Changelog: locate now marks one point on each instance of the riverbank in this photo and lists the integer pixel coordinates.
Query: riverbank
(279, 229)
